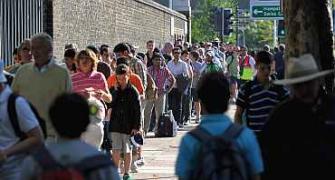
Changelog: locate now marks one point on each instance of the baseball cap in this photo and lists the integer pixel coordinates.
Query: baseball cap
(136, 140)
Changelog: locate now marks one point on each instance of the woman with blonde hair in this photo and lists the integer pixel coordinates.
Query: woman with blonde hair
(93, 86)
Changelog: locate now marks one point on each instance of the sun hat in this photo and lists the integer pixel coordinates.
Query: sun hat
(302, 69)
(216, 40)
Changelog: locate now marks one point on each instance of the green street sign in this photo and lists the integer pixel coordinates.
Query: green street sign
(266, 12)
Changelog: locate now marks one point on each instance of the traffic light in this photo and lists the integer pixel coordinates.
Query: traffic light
(227, 21)
(281, 28)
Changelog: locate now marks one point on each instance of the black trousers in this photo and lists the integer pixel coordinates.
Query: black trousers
(175, 104)
(187, 107)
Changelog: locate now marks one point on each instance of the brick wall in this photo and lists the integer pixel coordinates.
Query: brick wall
(111, 21)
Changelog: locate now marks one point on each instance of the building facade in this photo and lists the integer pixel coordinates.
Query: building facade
(87, 22)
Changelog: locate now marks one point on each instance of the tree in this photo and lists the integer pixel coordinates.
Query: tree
(259, 33)
(202, 21)
(308, 26)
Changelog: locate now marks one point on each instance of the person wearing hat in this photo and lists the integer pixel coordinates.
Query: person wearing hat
(210, 66)
(125, 118)
(298, 140)
(136, 65)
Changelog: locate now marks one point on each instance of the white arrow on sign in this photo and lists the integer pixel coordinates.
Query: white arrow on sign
(257, 11)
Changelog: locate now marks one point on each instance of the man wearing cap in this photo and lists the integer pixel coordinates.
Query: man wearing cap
(125, 117)
(298, 140)
(12, 149)
(210, 66)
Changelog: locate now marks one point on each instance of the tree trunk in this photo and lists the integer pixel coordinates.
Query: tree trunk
(308, 25)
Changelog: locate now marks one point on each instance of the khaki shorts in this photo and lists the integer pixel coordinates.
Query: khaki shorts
(121, 142)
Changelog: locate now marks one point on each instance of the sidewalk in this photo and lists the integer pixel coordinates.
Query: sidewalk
(160, 154)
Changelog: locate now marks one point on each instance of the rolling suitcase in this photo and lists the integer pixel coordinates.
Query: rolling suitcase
(167, 126)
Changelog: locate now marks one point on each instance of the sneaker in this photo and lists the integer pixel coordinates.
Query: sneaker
(181, 126)
(134, 167)
(126, 176)
(140, 161)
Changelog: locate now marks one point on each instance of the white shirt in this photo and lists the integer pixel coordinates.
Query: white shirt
(26, 118)
(178, 68)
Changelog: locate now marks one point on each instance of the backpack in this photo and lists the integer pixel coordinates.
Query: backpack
(14, 121)
(52, 170)
(219, 157)
(167, 126)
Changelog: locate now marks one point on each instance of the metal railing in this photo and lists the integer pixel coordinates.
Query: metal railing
(19, 20)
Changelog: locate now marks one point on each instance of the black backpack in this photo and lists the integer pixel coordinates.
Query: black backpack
(14, 121)
(220, 157)
(167, 126)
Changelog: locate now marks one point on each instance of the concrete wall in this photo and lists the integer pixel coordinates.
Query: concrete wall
(99, 22)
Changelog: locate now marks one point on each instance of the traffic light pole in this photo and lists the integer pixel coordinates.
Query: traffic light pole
(237, 24)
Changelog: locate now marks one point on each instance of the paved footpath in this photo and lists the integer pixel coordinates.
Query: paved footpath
(160, 154)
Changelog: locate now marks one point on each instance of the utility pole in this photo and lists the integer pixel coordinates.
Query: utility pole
(237, 24)
(275, 33)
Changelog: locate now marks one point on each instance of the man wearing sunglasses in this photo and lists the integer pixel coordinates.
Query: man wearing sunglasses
(180, 71)
(258, 97)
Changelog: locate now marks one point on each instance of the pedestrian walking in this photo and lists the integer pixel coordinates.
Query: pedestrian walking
(213, 92)
(258, 97)
(70, 157)
(180, 71)
(93, 86)
(13, 149)
(298, 139)
(43, 80)
(125, 118)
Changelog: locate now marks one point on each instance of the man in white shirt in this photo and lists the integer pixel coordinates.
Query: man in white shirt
(180, 71)
(12, 148)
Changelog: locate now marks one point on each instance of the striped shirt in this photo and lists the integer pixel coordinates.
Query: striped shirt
(95, 80)
(162, 77)
(259, 102)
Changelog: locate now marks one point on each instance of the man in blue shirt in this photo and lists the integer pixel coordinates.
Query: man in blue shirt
(213, 92)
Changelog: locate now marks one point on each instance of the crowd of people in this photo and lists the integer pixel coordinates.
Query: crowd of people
(98, 98)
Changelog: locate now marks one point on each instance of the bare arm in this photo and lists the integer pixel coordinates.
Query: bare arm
(238, 114)
(33, 140)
